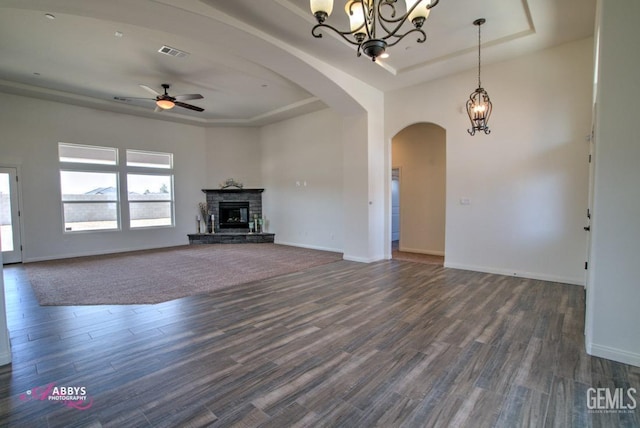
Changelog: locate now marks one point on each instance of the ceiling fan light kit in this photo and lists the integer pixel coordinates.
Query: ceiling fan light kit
(165, 104)
(374, 25)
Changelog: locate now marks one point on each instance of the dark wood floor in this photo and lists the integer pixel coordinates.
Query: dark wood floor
(396, 254)
(387, 344)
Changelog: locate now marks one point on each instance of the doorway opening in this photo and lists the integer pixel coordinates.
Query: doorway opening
(418, 193)
(395, 206)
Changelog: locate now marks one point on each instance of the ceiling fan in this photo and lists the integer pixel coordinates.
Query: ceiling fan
(166, 101)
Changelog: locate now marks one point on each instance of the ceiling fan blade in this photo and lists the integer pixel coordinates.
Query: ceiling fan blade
(185, 97)
(150, 90)
(133, 98)
(189, 106)
(158, 110)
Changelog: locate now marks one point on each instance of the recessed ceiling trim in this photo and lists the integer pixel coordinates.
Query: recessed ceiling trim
(506, 39)
(462, 52)
(121, 105)
(284, 109)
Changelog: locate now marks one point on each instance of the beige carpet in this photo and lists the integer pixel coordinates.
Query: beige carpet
(155, 276)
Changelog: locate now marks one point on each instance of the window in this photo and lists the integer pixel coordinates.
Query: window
(90, 191)
(149, 159)
(150, 200)
(89, 200)
(89, 187)
(149, 189)
(87, 154)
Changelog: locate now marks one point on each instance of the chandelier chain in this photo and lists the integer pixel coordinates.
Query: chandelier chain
(479, 41)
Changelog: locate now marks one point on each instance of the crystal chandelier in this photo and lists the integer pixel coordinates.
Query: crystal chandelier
(374, 24)
(479, 105)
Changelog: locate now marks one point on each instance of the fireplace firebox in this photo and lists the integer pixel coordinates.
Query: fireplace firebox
(234, 215)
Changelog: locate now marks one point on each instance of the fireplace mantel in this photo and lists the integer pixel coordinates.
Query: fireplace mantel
(232, 190)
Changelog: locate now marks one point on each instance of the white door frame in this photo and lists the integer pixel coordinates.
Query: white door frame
(14, 256)
(399, 173)
(592, 169)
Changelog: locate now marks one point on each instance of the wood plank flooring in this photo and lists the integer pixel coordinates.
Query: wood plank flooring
(396, 254)
(389, 344)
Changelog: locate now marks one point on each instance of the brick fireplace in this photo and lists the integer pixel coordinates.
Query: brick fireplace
(237, 203)
(233, 209)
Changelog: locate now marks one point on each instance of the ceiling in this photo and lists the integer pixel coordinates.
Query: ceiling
(251, 64)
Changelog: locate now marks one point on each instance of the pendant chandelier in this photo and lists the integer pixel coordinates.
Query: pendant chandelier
(479, 105)
(374, 24)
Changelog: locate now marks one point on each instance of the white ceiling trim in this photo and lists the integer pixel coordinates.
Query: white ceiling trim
(459, 53)
(282, 113)
(462, 52)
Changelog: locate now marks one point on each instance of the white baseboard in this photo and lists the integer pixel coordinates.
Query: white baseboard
(333, 250)
(311, 247)
(359, 259)
(522, 274)
(420, 251)
(614, 354)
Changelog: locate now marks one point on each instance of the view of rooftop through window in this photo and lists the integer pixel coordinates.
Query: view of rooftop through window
(91, 186)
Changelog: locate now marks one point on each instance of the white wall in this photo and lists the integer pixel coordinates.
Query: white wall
(419, 151)
(31, 131)
(233, 153)
(302, 176)
(356, 183)
(527, 181)
(613, 290)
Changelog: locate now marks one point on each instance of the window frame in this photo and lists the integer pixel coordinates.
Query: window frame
(116, 201)
(90, 167)
(90, 164)
(121, 170)
(150, 171)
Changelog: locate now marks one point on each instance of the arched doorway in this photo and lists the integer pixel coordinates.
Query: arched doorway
(418, 159)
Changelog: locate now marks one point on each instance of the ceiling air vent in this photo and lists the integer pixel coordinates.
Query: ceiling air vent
(168, 50)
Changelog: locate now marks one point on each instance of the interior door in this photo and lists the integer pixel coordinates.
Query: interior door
(10, 242)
